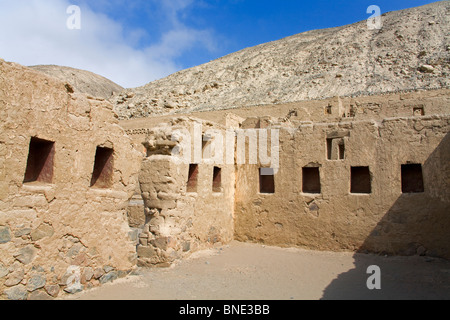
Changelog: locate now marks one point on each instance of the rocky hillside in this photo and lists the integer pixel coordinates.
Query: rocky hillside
(82, 81)
(411, 51)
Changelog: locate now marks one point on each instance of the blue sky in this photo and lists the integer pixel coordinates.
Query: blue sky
(137, 41)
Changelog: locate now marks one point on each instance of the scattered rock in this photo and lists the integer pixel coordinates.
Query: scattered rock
(170, 105)
(75, 288)
(109, 277)
(98, 272)
(3, 271)
(52, 290)
(36, 282)
(15, 277)
(22, 232)
(5, 234)
(17, 293)
(88, 273)
(427, 69)
(146, 252)
(27, 254)
(39, 296)
(41, 232)
(108, 269)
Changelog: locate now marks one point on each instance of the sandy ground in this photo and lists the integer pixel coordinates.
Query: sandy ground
(242, 271)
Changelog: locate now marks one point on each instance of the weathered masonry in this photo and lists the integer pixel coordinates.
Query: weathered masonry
(83, 203)
(368, 175)
(188, 204)
(389, 192)
(67, 172)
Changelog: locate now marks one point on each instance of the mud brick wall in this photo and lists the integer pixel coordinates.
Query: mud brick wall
(67, 172)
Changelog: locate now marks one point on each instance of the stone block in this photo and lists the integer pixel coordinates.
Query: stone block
(109, 277)
(27, 254)
(146, 252)
(36, 282)
(52, 290)
(41, 232)
(17, 293)
(5, 234)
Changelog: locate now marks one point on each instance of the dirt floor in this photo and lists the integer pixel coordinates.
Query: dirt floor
(242, 271)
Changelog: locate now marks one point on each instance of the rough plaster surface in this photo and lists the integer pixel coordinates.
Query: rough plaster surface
(64, 236)
(379, 132)
(180, 221)
(53, 233)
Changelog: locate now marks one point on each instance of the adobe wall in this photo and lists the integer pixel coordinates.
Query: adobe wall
(185, 210)
(380, 132)
(384, 220)
(57, 233)
(377, 107)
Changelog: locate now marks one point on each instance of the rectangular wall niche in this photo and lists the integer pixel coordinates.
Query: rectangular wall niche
(361, 181)
(266, 180)
(419, 111)
(412, 178)
(311, 180)
(102, 175)
(40, 161)
(336, 142)
(217, 179)
(192, 178)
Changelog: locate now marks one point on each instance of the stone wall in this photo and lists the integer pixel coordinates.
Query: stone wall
(67, 171)
(316, 205)
(379, 107)
(375, 135)
(188, 204)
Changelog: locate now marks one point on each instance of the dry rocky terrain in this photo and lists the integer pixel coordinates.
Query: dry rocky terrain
(411, 51)
(82, 81)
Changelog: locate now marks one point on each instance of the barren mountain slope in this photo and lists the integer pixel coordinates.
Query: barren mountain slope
(411, 51)
(82, 81)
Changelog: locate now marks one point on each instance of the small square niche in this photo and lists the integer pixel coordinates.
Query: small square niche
(311, 180)
(412, 178)
(102, 175)
(40, 162)
(266, 180)
(361, 180)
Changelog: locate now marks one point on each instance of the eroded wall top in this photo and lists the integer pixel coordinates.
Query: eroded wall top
(67, 171)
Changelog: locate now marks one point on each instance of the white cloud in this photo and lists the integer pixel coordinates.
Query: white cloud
(34, 32)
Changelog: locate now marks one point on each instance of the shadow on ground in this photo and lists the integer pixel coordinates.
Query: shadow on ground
(391, 237)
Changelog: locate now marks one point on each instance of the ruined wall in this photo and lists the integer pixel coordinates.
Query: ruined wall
(188, 204)
(67, 171)
(366, 132)
(378, 107)
(316, 205)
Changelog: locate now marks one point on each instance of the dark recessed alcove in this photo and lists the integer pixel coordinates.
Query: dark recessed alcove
(102, 175)
(40, 161)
